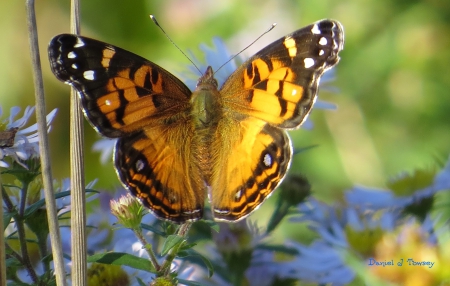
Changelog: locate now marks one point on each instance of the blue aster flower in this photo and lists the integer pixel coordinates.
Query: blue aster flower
(26, 140)
(341, 230)
(357, 225)
(376, 199)
(106, 147)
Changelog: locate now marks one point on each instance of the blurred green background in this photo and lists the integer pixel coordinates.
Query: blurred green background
(394, 78)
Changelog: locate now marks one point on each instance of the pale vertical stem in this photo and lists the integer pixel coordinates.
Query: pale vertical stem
(2, 243)
(44, 147)
(78, 218)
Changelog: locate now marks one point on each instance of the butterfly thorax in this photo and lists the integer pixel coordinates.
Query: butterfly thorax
(205, 114)
(205, 101)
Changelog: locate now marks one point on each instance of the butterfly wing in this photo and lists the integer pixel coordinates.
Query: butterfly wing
(252, 160)
(120, 92)
(274, 89)
(156, 166)
(279, 84)
(127, 97)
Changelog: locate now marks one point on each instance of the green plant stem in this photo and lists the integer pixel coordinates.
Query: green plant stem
(44, 149)
(2, 244)
(23, 198)
(42, 245)
(8, 203)
(19, 219)
(182, 231)
(148, 248)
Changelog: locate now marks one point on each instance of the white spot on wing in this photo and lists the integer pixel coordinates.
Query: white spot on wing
(309, 62)
(89, 75)
(139, 164)
(107, 102)
(315, 29)
(323, 41)
(79, 43)
(74, 66)
(321, 52)
(294, 92)
(71, 55)
(238, 195)
(191, 212)
(267, 160)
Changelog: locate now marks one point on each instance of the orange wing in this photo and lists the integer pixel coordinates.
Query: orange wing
(279, 83)
(120, 92)
(274, 90)
(127, 97)
(252, 159)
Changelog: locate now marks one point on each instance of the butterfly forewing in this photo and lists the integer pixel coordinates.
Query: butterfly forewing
(121, 92)
(279, 83)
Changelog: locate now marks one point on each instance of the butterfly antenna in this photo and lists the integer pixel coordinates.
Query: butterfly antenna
(173, 43)
(260, 36)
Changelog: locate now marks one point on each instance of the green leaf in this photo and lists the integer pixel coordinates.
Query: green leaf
(12, 263)
(140, 282)
(278, 248)
(189, 282)
(7, 216)
(38, 224)
(118, 258)
(187, 246)
(407, 184)
(212, 224)
(41, 203)
(153, 229)
(208, 264)
(170, 242)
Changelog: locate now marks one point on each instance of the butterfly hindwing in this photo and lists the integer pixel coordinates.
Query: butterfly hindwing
(253, 161)
(152, 165)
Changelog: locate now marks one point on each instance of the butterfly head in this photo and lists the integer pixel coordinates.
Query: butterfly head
(207, 80)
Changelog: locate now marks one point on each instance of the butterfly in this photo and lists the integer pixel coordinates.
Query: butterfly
(176, 147)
